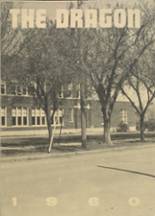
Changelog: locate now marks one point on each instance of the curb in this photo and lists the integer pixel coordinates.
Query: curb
(70, 154)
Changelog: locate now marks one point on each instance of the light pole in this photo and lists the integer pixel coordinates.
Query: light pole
(83, 115)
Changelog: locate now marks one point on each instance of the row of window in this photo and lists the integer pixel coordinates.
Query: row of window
(18, 90)
(67, 91)
(20, 117)
(14, 89)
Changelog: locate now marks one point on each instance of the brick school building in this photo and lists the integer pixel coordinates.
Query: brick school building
(20, 115)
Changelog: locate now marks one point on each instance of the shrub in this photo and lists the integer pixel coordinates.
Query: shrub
(122, 127)
(150, 125)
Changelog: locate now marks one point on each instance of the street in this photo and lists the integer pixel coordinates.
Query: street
(80, 186)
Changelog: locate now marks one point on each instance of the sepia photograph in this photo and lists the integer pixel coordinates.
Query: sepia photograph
(77, 108)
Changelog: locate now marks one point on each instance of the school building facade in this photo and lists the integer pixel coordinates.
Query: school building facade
(18, 111)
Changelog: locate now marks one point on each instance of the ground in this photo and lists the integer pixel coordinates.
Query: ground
(78, 186)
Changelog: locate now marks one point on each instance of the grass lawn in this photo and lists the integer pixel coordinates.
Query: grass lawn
(22, 146)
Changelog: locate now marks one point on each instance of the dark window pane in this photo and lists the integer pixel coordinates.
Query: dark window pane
(12, 89)
(38, 120)
(3, 120)
(61, 92)
(19, 90)
(24, 120)
(56, 120)
(19, 120)
(33, 120)
(13, 120)
(43, 120)
(77, 94)
(68, 93)
(24, 91)
(61, 119)
(30, 90)
(2, 89)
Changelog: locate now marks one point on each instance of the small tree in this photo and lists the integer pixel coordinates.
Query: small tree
(39, 67)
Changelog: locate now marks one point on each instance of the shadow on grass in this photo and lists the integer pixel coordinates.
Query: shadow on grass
(17, 147)
(67, 149)
(16, 152)
(24, 142)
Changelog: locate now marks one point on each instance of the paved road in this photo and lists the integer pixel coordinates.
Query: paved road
(76, 186)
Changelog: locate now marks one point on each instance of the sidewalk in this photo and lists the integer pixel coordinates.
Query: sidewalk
(39, 132)
(56, 154)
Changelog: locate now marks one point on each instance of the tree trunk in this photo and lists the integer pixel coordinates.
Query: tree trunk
(107, 123)
(83, 116)
(49, 127)
(0, 149)
(107, 136)
(142, 128)
(49, 130)
(83, 129)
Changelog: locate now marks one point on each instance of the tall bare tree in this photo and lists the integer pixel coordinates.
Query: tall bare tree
(71, 46)
(141, 91)
(109, 57)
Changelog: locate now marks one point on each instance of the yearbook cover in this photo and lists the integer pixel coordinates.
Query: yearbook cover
(77, 110)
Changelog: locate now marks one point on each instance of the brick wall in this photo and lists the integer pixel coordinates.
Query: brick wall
(72, 111)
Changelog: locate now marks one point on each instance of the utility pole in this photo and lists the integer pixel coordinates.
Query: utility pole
(83, 114)
(82, 92)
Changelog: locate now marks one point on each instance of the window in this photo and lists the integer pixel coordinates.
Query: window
(13, 120)
(19, 90)
(61, 93)
(12, 89)
(38, 117)
(38, 120)
(61, 120)
(69, 91)
(43, 120)
(3, 88)
(32, 88)
(124, 116)
(25, 91)
(33, 120)
(3, 116)
(77, 91)
(58, 117)
(20, 116)
(24, 120)
(71, 115)
(19, 120)
(3, 120)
